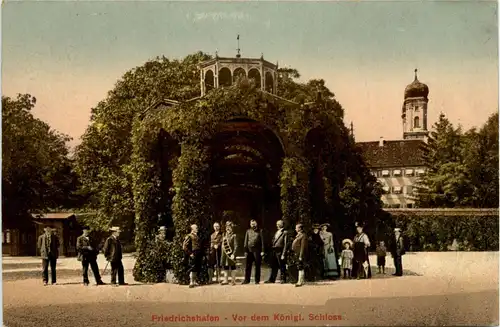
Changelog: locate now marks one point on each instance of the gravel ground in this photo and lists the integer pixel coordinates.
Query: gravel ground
(441, 289)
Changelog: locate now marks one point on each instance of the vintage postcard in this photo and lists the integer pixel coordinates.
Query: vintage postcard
(260, 163)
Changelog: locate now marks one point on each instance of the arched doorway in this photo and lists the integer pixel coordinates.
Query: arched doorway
(246, 162)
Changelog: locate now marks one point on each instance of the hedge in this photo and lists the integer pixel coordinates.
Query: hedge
(436, 232)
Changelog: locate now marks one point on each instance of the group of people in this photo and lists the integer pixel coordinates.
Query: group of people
(315, 253)
(88, 249)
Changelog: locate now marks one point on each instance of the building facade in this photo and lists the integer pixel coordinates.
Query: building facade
(398, 164)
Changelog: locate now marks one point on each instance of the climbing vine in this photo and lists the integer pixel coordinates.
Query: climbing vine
(192, 124)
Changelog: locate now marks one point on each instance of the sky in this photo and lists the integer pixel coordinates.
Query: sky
(70, 54)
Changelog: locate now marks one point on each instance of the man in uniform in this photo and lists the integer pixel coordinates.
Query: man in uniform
(278, 260)
(254, 251)
(87, 254)
(113, 253)
(215, 253)
(48, 244)
(193, 254)
(299, 247)
(397, 251)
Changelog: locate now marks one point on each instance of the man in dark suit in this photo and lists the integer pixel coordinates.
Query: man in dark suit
(299, 248)
(254, 251)
(48, 244)
(87, 254)
(397, 251)
(278, 259)
(113, 253)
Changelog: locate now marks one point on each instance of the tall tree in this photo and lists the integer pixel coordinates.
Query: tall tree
(103, 157)
(462, 167)
(444, 183)
(480, 153)
(36, 171)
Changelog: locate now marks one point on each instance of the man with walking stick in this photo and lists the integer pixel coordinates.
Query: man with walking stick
(87, 254)
(113, 253)
(215, 254)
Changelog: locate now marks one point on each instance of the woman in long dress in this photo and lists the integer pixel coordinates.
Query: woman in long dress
(331, 265)
(361, 263)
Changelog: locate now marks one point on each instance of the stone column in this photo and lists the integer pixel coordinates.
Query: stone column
(192, 200)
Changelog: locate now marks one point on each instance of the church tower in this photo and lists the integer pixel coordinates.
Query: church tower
(415, 111)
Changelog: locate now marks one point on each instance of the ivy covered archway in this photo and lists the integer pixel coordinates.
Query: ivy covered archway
(236, 139)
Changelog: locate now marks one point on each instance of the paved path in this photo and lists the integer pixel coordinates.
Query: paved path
(440, 289)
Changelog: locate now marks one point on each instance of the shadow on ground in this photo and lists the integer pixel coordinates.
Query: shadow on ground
(61, 274)
(444, 310)
(22, 265)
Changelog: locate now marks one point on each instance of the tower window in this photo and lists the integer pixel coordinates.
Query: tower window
(416, 122)
(417, 108)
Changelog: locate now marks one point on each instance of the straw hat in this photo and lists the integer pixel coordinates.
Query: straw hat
(325, 224)
(162, 228)
(115, 229)
(347, 241)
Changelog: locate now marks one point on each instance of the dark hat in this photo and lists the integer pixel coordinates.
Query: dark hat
(316, 226)
(48, 227)
(360, 224)
(85, 228)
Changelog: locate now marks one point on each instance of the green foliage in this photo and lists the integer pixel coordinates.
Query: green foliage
(462, 167)
(103, 157)
(192, 124)
(436, 233)
(37, 174)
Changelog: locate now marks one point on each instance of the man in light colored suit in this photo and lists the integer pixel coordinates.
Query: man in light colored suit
(48, 244)
(278, 260)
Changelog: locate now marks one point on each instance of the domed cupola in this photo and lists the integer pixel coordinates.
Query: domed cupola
(416, 89)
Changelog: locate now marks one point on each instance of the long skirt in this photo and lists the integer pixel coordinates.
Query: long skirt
(355, 268)
(331, 265)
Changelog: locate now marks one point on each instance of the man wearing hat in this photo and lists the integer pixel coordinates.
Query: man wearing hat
(317, 253)
(162, 234)
(48, 244)
(397, 251)
(158, 253)
(87, 254)
(113, 253)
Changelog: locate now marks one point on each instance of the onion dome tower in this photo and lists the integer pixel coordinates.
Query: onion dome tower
(414, 111)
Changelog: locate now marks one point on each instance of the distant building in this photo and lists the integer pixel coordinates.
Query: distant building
(397, 164)
(22, 240)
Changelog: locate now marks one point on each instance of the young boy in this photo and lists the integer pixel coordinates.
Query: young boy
(381, 253)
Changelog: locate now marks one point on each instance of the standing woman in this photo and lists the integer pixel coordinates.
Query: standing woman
(331, 265)
(361, 263)
(229, 248)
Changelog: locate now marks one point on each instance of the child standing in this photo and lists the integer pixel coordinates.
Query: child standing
(381, 254)
(347, 256)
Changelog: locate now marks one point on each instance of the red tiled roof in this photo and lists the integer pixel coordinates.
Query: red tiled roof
(402, 153)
